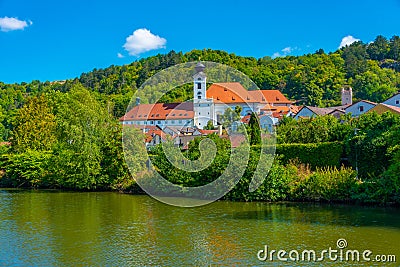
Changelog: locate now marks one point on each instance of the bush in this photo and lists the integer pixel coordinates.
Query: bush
(327, 184)
(315, 155)
(28, 169)
(276, 186)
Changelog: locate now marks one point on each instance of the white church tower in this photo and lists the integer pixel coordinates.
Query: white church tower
(203, 107)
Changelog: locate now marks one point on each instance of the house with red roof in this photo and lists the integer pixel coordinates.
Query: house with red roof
(172, 119)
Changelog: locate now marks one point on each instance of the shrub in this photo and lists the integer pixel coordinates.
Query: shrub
(28, 169)
(328, 184)
(326, 154)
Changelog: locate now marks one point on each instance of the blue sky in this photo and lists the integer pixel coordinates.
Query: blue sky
(56, 40)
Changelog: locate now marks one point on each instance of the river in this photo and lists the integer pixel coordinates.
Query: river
(52, 228)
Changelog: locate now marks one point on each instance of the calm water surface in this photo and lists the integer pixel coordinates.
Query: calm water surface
(45, 228)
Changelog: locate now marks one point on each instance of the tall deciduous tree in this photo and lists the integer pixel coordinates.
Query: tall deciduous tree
(35, 126)
(394, 45)
(379, 49)
(355, 57)
(83, 126)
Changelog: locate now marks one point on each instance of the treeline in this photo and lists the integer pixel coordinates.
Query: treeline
(64, 140)
(355, 160)
(313, 79)
(371, 147)
(65, 134)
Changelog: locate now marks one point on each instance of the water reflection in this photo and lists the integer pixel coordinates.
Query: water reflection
(327, 214)
(97, 229)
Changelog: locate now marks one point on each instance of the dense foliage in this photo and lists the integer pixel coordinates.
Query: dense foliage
(64, 134)
(64, 140)
(325, 154)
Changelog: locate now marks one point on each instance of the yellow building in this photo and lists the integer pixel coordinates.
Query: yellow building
(382, 108)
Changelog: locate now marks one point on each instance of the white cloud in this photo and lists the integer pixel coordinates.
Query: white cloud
(348, 40)
(276, 54)
(285, 51)
(142, 40)
(119, 55)
(12, 24)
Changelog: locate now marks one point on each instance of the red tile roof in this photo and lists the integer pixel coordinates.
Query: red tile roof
(232, 92)
(160, 111)
(295, 109)
(245, 119)
(270, 96)
(206, 132)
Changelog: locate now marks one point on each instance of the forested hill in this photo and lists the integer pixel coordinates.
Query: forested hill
(373, 70)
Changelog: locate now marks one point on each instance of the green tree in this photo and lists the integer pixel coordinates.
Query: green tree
(394, 48)
(229, 117)
(379, 49)
(35, 126)
(209, 126)
(255, 132)
(376, 84)
(355, 57)
(83, 126)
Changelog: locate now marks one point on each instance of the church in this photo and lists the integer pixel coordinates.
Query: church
(210, 104)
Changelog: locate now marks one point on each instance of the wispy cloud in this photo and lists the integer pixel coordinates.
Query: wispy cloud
(142, 40)
(119, 55)
(348, 40)
(12, 24)
(285, 51)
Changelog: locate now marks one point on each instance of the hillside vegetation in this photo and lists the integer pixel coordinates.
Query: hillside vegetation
(64, 134)
(313, 79)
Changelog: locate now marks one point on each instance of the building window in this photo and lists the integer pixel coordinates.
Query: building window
(397, 102)
(172, 122)
(199, 113)
(199, 86)
(361, 108)
(180, 122)
(151, 122)
(199, 97)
